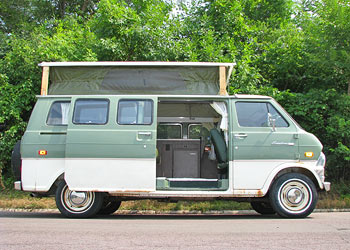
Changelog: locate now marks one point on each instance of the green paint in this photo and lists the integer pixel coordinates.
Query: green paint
(112, 140)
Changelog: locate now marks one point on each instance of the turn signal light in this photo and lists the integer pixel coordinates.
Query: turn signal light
(309, 154)
(42, 152)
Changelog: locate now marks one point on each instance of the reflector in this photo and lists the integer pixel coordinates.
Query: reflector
(42, 152)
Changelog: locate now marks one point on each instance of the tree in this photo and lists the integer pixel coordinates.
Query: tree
(21, 16)
(327, 27)
(297, 52)
(134, 30)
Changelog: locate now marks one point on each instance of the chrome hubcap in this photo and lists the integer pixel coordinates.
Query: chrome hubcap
(77, 198)
(295, 196)
(75, 201)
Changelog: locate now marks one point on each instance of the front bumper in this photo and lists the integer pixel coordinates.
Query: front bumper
(18, 185)
(327, 186)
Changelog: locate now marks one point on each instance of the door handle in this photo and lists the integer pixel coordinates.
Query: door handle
(282, 143)
(240, 135)
(145, 133)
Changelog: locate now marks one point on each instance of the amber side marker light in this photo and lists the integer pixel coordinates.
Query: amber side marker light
(42, 152)
(309, 154)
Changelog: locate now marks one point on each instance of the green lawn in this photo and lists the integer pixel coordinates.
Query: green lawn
(17, 199)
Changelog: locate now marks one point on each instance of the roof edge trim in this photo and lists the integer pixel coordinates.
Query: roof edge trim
(122, 64)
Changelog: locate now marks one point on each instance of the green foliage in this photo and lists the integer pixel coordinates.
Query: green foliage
(327, 29)
(325, 114)
(14, 106)
(138, 30)
(21, 16)
(295, 51)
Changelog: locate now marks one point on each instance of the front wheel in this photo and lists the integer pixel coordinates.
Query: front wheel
(293, 195)
(77, 204)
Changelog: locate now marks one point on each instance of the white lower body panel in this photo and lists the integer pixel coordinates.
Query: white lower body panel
(137, 177)
(124, 175)
(39, 174)
(252, 174)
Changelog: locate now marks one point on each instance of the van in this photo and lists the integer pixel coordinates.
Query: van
(107, 132)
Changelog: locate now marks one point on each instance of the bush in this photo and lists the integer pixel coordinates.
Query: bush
(325, 113)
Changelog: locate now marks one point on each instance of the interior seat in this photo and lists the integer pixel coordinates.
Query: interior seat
(220, 148)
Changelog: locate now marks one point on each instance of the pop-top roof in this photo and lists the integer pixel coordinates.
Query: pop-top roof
(176, 78)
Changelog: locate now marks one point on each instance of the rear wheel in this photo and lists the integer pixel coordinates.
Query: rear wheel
(77, 204)
(109, 206)
(262, 207)
(293, 195)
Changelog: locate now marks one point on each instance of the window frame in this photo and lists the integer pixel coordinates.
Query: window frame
(135, 124)
(171, 124)
(91, 99)
(189, 128)
(48, 114)
(267, 108)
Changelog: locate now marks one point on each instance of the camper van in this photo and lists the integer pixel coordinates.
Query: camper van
(106, 132)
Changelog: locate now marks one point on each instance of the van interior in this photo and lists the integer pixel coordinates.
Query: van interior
(191, 146)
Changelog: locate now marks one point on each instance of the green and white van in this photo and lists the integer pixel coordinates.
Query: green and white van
(106, 132)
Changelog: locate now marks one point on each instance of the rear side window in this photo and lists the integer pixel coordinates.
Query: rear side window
(256, 114)
(58, 114)
(196, 131)
(135, 112)
(169, 131)
(91, 111)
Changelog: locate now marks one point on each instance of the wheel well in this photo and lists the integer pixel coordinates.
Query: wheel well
(299, 170)
(55, 184)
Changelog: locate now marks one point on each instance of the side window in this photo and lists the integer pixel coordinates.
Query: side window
(58, 114)
(196, 131)
(91, 111)
(280, 121)
(256, 114)
(135, 112)
(169, 131)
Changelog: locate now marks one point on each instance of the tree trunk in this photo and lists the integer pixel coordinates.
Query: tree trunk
(85, 5)
(62, 7)
(1, 183)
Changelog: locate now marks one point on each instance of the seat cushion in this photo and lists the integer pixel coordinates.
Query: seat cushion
(219, 145)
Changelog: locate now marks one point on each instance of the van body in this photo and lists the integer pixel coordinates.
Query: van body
(94, 151)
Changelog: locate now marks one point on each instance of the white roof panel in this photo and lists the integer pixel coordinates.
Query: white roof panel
(193, 64)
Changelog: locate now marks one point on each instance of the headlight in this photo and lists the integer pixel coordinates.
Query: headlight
(321, 160)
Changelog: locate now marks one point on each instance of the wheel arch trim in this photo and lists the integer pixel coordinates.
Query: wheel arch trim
(292, 168)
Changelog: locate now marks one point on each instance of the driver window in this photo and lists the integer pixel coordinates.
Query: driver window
(280, 121)
(256, 114)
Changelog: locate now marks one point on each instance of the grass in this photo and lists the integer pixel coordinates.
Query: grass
(17, 199)
(202, 206)
(22, 200)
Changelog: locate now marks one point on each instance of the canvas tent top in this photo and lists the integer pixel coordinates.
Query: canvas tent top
(177, 78)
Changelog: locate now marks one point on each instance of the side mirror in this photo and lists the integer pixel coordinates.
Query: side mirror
(272, 122)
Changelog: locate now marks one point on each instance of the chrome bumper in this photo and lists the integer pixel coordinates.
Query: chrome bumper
(18, 185)
(327, 186)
